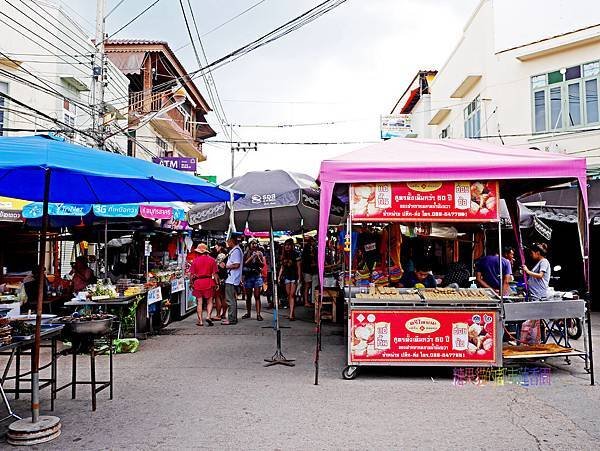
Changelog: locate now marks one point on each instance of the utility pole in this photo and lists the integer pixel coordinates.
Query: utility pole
(99, 73)
(232, 150)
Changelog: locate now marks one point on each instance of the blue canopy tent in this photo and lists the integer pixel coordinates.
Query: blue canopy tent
(47, 169)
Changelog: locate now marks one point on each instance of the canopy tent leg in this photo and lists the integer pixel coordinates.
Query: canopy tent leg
(584, 236)
(278, 358)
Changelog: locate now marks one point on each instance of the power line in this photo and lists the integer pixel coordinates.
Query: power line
(199, 61)
(292, 25)
(114, 8)
(131, 21)
(34, 41)
(223, 24)
(50, 118)
(49, 90)
(24, 2)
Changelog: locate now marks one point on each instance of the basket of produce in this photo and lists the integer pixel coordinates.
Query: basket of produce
(95, 324)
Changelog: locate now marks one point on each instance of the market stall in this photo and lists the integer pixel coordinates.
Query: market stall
(418, 180)
(53, 168)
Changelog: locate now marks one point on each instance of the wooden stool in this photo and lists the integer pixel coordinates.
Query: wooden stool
(329, 298)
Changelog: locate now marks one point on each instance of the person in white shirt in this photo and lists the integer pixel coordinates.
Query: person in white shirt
(234, 266)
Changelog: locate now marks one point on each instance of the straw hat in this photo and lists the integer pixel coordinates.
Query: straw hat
(202, 248)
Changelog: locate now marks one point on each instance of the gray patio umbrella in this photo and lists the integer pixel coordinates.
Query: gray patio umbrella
(275, 200)
(293, 197)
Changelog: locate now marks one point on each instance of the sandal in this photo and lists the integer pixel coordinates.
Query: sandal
(209, 322)
(259, 318)
(218, 318)
(199, 324)
(246, 316)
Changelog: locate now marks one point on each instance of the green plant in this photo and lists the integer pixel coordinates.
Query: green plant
(128, 319)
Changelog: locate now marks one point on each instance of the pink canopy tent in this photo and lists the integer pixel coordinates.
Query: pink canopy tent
(412, 160)
(519, 170)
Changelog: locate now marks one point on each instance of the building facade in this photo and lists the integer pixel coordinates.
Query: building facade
(167, 112)
(523, 73)
(46, 63)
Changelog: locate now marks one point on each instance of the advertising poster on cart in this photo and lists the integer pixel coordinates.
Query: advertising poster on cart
(455, 201)
(439, 336)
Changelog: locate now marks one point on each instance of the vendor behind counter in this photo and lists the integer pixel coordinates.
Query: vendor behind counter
(420, 276)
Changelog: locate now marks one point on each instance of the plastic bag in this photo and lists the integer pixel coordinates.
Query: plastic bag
(126, 345)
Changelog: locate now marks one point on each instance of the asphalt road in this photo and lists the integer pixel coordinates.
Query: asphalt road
(206, 388)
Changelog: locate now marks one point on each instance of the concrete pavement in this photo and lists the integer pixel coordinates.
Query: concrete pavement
(206, 388)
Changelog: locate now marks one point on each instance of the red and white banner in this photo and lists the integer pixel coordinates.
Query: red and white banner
(424, 336)
(460, 201)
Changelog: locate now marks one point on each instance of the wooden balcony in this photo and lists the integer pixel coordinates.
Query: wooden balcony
(147, 104)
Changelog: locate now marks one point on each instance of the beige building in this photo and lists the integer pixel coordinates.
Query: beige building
(167, 112)
(523, 73)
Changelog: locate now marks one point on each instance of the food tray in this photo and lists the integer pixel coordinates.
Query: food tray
(389, 297)
(454, 295)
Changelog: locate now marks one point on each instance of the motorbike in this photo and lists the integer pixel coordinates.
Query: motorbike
(573, 326)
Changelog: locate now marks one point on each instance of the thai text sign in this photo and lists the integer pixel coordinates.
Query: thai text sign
(179, 163)
(156, 212)
(177, 285)
(468, 336)
(154, 295)
(460, 201)
(395, 125)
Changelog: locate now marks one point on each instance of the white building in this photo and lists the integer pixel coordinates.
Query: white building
(46, 63)
(523, 73)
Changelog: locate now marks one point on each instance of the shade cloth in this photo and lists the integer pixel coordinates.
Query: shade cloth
(408, 159)
(561, 204)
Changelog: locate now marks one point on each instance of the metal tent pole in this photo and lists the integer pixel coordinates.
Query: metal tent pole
(106, 248)
(35, 364)
(278, 358)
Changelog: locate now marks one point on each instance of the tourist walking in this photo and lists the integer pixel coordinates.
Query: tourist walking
(234, 268)
(254, 262)
(204, 279)
(220, 255)
(291, 271)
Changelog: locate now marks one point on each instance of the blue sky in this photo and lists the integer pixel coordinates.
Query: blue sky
(348, 66)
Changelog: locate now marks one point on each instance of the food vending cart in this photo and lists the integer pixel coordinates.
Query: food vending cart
(444, 181)
(419, 325)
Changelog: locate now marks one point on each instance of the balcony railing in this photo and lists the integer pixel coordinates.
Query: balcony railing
(151, 103)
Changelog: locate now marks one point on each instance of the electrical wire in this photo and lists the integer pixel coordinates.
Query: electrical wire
(45, 17)
(131, 21)
(36, 42)
(208, 78)
(223, 24)
(50, 118)
(48, 90)
(292, 25)
(114, 8)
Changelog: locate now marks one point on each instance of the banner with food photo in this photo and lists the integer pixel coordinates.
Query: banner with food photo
(455, 201)
(456, 337)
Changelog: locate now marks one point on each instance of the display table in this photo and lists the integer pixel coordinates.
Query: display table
(23, 347)
(553, 316)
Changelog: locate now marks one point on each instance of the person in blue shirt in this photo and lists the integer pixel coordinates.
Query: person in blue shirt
(421, 275)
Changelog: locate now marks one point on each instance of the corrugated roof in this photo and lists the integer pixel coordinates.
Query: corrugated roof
(135, 41)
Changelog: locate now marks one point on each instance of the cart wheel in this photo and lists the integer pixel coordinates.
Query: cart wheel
(350, 372)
